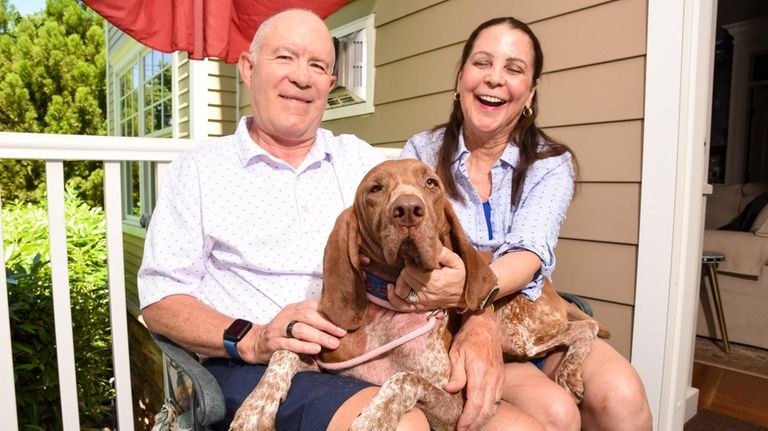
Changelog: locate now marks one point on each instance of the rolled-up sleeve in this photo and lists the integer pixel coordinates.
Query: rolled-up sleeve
(541, 212)
(175, 247)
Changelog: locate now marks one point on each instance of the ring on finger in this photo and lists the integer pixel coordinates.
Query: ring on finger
(289, 329)
(412, 298)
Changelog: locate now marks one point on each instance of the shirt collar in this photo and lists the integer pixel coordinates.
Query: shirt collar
(510, 156)
(249, 152)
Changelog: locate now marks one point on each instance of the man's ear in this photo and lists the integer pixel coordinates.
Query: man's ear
(480, 279)
(344, 300)
(245, 66)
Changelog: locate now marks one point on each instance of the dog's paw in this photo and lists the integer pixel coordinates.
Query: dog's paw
(573, 384)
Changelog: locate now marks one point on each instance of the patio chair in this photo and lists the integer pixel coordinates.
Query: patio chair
(192, 395)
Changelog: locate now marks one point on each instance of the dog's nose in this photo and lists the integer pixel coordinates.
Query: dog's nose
(408, 210)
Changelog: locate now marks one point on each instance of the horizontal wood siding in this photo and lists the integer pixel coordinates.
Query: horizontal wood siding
(591, 98)
(620, 143)
(133, 248)
(222, 98)
(618, 319)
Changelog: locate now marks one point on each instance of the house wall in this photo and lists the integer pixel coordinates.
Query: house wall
(591, 98)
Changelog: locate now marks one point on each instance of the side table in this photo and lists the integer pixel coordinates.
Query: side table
(710, 260)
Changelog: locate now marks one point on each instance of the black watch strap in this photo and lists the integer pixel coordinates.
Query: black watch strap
(233, 334)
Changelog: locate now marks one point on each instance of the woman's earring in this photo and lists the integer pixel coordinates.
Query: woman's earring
(456, 95)
(527, 112)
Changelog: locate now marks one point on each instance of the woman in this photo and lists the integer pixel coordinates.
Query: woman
(511, 186)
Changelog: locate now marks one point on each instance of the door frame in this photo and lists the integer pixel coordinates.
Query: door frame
(678, 81)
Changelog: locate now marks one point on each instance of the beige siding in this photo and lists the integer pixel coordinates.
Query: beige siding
(591, 98)
(604, 92)
(450, 22)
(222, 98)
(133, 247)
(618, 319)
(604, 212)
(182, 111)
(596, 270)
(594, 144)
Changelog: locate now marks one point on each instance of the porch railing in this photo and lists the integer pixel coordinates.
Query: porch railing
(55, 150)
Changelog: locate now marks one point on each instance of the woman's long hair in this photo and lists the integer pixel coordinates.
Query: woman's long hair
(526, 133)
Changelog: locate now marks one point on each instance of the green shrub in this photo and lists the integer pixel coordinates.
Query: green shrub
(31, 311)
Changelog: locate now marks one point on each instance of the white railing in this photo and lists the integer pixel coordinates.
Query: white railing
(55, 150)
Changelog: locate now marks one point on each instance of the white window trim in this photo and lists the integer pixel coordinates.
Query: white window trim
(147, 182)
(365, 107)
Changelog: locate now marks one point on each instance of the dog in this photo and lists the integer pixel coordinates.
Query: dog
(401, 217)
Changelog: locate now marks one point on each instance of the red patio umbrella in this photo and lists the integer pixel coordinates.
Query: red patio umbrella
(203, 28)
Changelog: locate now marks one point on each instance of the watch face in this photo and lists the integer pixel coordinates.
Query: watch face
(237, 330)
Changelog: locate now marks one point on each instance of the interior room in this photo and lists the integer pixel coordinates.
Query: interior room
(732, 375)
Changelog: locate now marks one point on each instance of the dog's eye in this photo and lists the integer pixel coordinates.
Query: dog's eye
(431, 182)
(376, 188)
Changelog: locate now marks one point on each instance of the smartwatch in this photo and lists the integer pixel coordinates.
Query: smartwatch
(233, 334)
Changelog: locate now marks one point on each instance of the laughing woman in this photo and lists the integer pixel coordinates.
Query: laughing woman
(511, 185)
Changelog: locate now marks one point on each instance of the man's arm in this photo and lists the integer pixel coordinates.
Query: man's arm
(199, 328)
(190, 323)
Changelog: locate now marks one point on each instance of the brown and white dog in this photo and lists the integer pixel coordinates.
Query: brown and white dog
(401, 217)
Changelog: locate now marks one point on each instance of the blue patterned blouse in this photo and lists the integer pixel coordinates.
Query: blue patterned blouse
(533, 224)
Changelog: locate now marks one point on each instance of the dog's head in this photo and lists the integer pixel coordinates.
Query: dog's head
(400, 214)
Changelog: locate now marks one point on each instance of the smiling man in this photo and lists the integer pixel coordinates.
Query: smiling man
(233, 255)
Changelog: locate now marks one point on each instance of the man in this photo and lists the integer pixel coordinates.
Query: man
(236, 240)
(241, 224)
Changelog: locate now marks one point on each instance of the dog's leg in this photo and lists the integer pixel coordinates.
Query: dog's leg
(568, 374)
(259, 409)
(577, 337)
(402, 392)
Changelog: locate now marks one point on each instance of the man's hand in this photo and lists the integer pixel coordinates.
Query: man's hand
(477, 363)
(434, 289)
(310, 332)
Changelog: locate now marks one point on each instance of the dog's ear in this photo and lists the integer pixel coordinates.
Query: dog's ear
(343, 299)
(480, 279)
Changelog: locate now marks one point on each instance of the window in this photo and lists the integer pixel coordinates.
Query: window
(144, 89)
(353, 95)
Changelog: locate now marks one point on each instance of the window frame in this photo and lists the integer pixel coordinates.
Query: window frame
(366, 23)
(146, 170)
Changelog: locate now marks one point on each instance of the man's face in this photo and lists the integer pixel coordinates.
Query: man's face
(290, 78)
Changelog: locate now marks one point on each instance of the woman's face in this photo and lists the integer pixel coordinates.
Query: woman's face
(495, 83)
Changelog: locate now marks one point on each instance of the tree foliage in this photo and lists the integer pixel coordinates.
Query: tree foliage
(52, 80)
(31, 309)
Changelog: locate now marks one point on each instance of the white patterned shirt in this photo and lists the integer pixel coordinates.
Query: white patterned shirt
(243, 231)
(533, 224)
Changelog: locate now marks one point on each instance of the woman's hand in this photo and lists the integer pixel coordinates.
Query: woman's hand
(433, 289)
(309, 332)
(477, 363)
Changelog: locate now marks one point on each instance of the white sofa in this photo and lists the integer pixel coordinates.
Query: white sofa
(743, 277)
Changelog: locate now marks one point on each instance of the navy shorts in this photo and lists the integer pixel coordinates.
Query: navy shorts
(311, 402)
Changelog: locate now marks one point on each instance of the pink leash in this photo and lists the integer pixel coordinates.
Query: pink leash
(431, 319)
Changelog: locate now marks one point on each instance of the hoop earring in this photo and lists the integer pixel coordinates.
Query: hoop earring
(456, 95)
(527, 112)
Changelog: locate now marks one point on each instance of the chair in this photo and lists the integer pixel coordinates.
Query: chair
(182, 370)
